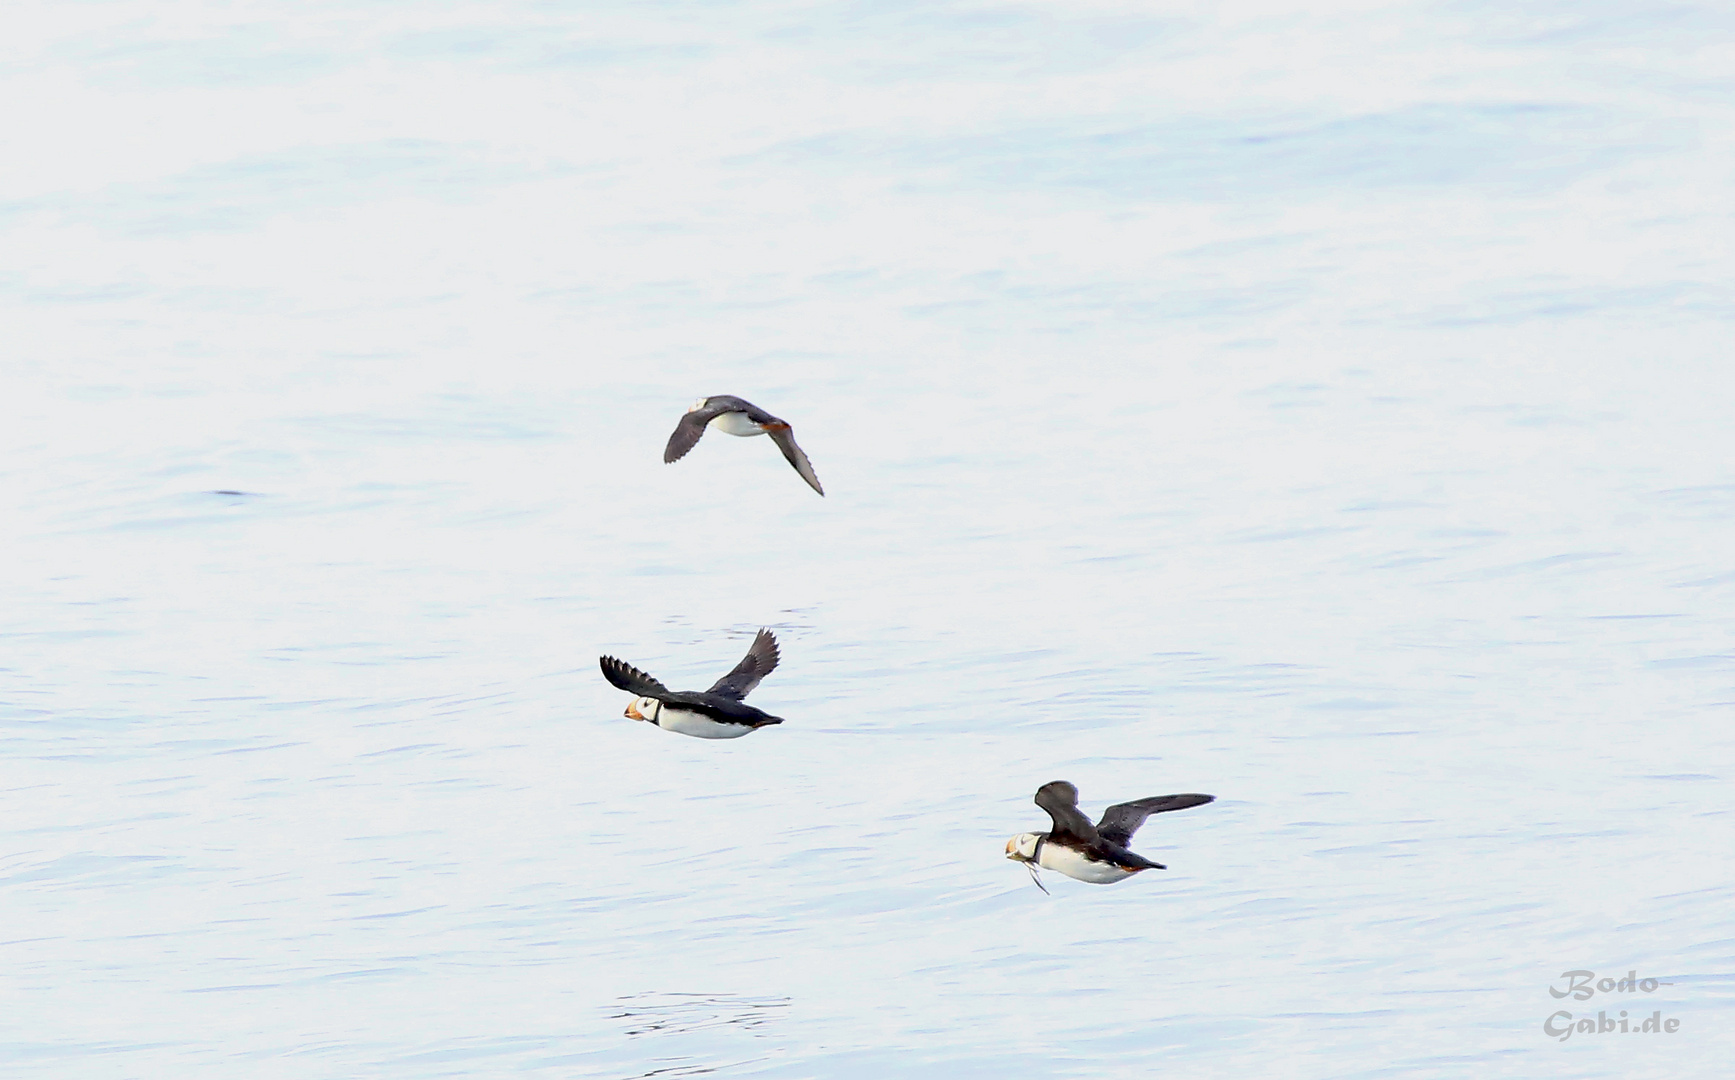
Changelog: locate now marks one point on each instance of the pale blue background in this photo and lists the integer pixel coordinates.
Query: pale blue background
(1327, 407)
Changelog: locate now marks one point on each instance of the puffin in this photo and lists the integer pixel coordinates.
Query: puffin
(717, 713)
(1094, 853)
(734, 416)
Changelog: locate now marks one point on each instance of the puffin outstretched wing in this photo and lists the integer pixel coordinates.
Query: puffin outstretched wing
(784, 436)
(760, 661)
(1120, 822)
(626, 677)
(687, 432)
(1060, 799)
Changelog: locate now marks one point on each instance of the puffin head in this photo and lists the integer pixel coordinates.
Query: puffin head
(1022, 848)
(644, 708)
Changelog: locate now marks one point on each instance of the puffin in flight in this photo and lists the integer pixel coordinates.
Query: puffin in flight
(1094, 853)
(717, 713)
(733, 416)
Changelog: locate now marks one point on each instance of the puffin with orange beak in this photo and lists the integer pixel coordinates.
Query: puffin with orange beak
(717, 713)
(1094, 853)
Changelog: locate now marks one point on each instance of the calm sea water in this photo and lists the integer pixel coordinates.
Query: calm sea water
(1324, 408)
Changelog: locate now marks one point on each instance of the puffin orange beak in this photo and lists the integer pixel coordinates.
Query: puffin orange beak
(633, 711)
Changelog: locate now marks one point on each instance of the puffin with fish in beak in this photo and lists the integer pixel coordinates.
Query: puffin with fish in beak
(1094, 853)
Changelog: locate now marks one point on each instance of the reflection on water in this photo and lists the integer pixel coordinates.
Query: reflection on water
(672, 1021)
(677, 1014)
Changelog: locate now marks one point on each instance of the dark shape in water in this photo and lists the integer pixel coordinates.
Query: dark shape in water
(670, 1014)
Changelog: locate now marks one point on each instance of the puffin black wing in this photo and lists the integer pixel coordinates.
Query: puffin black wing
(1060, 799)
(784, 436)
(1120, 822)
(626, 677)
(760, 661)
(687, 432)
